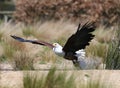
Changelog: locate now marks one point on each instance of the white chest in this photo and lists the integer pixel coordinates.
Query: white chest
(59, 51)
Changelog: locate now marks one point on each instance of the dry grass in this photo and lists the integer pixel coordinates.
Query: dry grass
(104, 35)
(62, 79)
(113, 54)
(51, 32)
(99, 45)
(51, 80)
(23, 61)
(14, 79)
(97, 49)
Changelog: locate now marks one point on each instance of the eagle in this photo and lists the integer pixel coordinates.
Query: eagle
(74, 47)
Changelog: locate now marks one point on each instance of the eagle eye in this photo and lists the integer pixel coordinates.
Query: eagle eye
(54, 44)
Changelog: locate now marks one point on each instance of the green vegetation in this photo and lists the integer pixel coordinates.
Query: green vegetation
(95, 85)
(32, 81)
(8, 50)
(52, 80)
(55, 79)
(1, 34)
(97, 49)
(113, 54)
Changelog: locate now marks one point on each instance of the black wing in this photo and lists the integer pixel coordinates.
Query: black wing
(80, 39)
(32, 41)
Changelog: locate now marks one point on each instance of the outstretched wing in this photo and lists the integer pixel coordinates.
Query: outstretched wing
(80, 39)
(32, 41)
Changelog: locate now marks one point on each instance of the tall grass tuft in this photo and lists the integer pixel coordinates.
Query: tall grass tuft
(103, 35)
(113, 54)
(32, 81)
(1, 34)
(95, 84)
(52, 80)
(23, 61)
(97, 49)
(8, 50)
(59, 79)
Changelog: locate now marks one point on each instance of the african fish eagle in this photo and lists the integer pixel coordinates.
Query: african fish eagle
(74, 48)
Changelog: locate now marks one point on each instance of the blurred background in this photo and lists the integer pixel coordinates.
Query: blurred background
(105, 12)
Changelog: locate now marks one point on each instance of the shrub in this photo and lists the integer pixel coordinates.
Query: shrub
(23, 61)
(106, 12)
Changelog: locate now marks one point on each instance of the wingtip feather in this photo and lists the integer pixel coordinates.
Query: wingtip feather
(17, 38)
(13, 36)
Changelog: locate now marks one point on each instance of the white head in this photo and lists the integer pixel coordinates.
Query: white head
(58, 49)
(56, 45)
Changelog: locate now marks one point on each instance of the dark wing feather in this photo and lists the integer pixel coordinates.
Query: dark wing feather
(80, 39)
(32, 41)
